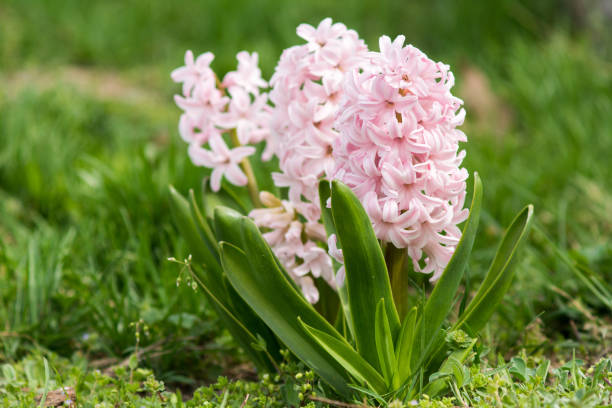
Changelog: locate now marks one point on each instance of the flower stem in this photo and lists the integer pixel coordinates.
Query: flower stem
(396, 259)
(248, 171)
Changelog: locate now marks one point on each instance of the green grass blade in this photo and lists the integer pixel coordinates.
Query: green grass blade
(256, 277)
(43, 398)
(367, 279)
(581, 272)
(440, 301)
(348, 358)
(384, 345)
(498, 277)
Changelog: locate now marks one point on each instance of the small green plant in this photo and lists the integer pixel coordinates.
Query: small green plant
(367, 176)
(367, 347)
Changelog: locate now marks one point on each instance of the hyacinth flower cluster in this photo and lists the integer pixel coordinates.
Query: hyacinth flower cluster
(382, 122)
(211, 108)
(368, 172)
(398, 151)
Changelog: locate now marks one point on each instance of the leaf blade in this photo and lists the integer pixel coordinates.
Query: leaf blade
(348, 358)
(499, 276)
(330, 229)
(404, 344)
(384, 344)
(367, 278)
(440, 301)
(255, 280)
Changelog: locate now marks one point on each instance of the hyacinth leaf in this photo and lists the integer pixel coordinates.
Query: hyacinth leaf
(330, 229)
(440, 301)
(384, 345)
(348, 358)
(499, 276)
(403, 349)
(211, 280)
(200, 251)
(260, 283)
(223, 197)
(228, 228)
(451, 365)
(244, 337)
(266, 269)
(227, 225)
(367, 279)
(203, 225)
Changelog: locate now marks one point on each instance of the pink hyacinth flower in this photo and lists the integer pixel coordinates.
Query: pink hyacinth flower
(222, 160)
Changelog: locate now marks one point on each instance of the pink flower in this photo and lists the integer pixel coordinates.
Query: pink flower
(248, 74)
(338, 256)
(315, 261)
(293, 242)
(194, 71)
(249, 118)
(385, 123)
(306, 92)
(391, 224)
(209, 113)
(398, 151)
(222, 160)
(308, 289)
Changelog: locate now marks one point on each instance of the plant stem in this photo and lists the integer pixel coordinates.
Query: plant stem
(396, 259)
(248, 171)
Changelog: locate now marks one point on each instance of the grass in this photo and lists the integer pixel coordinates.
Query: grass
(522, 381)
(89, 146)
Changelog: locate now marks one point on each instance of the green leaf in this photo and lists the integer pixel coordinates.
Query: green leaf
(200, 251)
(440, 301)
(256, 277)
(211, 279)
(243, 336)
(227, 225)
(452, 366)
(330, 229)
(202, 224)
(223, 197)
(384, 345)
(348, 358)
(228, 228)
(403, 349)
(367, 279)
(499, 276)
(326, 213)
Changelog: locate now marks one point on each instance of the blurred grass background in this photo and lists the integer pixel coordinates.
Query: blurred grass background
(88, 146)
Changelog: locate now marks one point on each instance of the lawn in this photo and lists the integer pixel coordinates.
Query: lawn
(89, 145)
